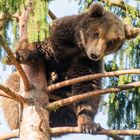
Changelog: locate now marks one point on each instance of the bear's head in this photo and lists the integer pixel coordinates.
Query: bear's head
(101, 32)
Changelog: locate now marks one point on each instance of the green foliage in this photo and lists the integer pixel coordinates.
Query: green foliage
(10, 6)
(38, 28)
(4, 60)
(111, 66)
(15, 31)
(55, 108)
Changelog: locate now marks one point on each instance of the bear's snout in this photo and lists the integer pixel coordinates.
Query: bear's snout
(94, 56)
(95, 53)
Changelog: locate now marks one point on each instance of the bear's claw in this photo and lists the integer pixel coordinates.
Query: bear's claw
(90, 128)
(86, 125)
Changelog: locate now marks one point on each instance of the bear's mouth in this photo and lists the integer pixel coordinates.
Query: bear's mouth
(94, 57)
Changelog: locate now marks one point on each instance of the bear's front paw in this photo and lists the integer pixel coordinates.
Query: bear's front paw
(86, 125)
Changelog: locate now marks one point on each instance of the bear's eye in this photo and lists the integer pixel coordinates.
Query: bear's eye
(96, 35)
(111, 43)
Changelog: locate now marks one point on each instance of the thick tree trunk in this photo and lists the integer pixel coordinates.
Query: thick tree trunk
(34, 117)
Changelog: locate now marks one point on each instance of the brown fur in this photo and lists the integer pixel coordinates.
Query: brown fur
(78, 44)
(8, 104)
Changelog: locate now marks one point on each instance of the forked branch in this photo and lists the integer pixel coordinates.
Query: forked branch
(3, 94)
(11, 94)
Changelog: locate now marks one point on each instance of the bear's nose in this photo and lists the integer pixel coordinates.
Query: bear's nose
(94, 56)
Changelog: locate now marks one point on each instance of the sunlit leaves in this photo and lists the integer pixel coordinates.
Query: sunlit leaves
(111, 66)
(10, 6)
(38, 28)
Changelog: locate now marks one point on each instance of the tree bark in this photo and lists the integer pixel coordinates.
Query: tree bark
(35, 118)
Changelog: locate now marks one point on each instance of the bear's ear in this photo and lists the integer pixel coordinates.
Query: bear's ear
(131, 32)
(96, 10)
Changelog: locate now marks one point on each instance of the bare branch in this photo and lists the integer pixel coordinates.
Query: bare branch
(9, 135)
(12, 94)
(3, 94)
(52, 15)
(110, 133)
(114, 136)
(91, 77)
(14, 61)
(86, 95)
(63, 130)
(120, 132)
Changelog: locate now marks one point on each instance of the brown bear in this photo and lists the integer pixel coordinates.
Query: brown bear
(79, 43)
